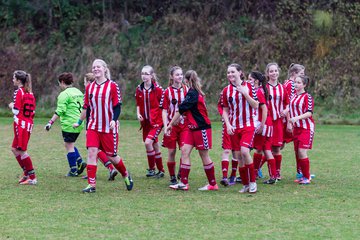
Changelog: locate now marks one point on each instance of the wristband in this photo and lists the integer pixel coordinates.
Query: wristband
(79, 121)
(51, 122)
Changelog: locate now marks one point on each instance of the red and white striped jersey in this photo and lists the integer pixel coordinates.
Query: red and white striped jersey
(172, 98)
(268, 128)
(299, 105)
(148, 101)
(289, 86)
(25, 103)
(101, 98)
(279, 99)
(241, 114)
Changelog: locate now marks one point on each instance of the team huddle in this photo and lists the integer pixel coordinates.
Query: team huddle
(257, 113)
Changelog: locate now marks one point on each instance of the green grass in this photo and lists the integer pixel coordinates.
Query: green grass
(56, 208)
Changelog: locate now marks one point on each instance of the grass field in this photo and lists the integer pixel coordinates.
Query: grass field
(56, 208)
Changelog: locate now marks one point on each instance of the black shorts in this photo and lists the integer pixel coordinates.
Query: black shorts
(70, 137)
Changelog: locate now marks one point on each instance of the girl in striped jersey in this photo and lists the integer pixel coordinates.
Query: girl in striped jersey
(302, 125)
(172, 97)
(240, 101)
(264, 128)
(294, 71)
(104, 100)
(148, 97)
(23, 108)
(197, 133)
(279, 102)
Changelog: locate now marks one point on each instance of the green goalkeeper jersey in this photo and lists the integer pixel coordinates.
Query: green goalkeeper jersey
(69, 106)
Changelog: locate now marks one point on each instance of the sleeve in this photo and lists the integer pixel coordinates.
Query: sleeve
(310, 103)
(224, 100)
(61, 104)
(164, 104)
(190, 100)
(160, 92)
(220, 105)
(260, 96)
(252, 91)
(17, 99)
(137, 97)
(86, 98)
(115, 94)
(286, 98)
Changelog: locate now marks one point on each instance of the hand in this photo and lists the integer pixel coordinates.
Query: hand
(11, 105)
(289, 127)
(48, 126)
(76, 125)
(112, 124)
(242, 89)
(140, 118)
(167, 130)
(259, 129)
(294, 119)
(230, 130)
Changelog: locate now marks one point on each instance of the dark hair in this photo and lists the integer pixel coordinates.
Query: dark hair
(305, 80)
(262, 80)
(239, 68)
(25, 79)
(66, 77)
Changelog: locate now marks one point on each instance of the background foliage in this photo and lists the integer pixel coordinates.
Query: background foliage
(46, 38)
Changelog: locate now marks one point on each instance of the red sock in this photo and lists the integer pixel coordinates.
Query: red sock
(272, 168)
(263, 160)
(244, 175)
(151, 159)
(210, 173)
(298, 164)
(185, 170)
(251, 172)
(104, 159)
(91, 173)
(121, 168)
(234, 165)
(171, 166)
(21, 163)
(278, 159)
(158, 160)
(305, 167)
(224, 167)
(257, 161)
(29, 169)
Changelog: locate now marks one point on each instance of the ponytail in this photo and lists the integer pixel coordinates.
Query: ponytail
(194, 81)
(25, 79)
(262, 81)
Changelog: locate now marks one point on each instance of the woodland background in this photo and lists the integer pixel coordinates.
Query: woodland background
(48, 37)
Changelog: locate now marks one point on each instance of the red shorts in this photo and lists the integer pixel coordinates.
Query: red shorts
(200, 139)
(303, 138)
(288, 136)
(226, 140)
(278, 135)
(176, 136)
(262, 142)
(243, 137)
(22, 134)
(151, 132)
(107, 142)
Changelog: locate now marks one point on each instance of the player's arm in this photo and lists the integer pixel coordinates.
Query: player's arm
(225, 115)
(51, 122)
(81, 118)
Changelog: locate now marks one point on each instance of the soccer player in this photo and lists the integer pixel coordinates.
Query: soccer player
(148, 97)
(172, 97)
(302, 125)
(264, 128)
(23, 108)
(197, 134)
(279, 102)
(89, 78)
(69, 103)
(104, 100)
(240, 101)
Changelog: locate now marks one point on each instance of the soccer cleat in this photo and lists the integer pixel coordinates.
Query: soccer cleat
(84, 177)
(29, 181)
(112, 175)
(305, 181)
(270, 181)
(260, 174)
(81, 168)
(159, 174)
(252, 187)
(180, 186)
(89, 189)
(71, 174)
(244, 189)
(23, 178)
(238, 179)
(150, 172)
(209, 187)
(173, 180)
(232, 180)
(224, 182)
(129, 182)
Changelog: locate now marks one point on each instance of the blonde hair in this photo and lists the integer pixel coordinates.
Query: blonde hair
(25, 79)
(294, 68)
(107, 70)
(89, 77)
(154, 78)
(171, 73)
(194, 81)
(268, 67)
